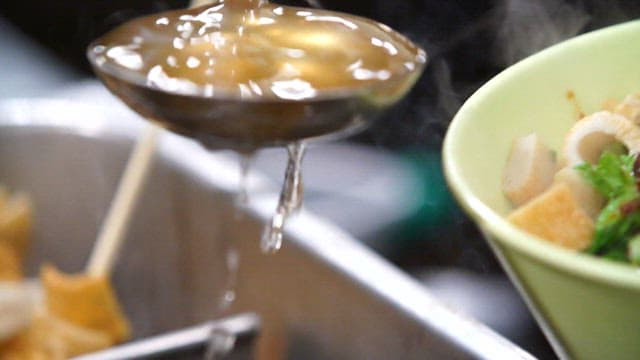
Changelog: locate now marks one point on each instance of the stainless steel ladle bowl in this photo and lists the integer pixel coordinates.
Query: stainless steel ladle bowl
(229, 120)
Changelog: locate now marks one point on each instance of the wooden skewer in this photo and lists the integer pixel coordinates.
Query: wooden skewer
(111, 236)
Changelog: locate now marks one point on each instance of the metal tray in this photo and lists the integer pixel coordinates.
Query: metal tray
(323, 296)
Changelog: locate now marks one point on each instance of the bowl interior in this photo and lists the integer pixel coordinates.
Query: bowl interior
(546, 94)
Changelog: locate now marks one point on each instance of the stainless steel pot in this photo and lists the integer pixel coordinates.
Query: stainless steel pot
(322, 296)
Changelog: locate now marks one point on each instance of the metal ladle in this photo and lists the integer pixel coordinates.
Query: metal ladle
(228, 121)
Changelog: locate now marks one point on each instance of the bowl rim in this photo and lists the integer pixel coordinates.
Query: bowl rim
(577, 264)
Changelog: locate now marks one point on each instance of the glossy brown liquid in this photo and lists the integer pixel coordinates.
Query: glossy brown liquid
(256, 49)
(190, 69)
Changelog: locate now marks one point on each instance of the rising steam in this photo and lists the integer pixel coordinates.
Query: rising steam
(529, 26)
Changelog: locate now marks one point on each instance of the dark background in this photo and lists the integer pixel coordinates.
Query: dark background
(467, 41)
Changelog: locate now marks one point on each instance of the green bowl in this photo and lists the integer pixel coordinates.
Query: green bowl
(589, 308)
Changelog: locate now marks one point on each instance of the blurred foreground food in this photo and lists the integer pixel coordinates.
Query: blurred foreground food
(75, 314)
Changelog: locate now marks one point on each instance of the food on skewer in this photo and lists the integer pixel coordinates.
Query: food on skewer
(86, 301)
(60, 317)
(50, 337)
(79, 314)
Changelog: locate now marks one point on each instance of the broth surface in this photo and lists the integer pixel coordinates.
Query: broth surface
(255, 49)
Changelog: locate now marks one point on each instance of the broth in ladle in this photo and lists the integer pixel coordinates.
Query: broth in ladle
(247, 73)
(254, 49)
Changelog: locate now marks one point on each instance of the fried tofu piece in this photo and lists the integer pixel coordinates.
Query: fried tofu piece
(10, 264)
(556, 216)
(15, 222)
(52, 338)
(529, 169)
(86, 301)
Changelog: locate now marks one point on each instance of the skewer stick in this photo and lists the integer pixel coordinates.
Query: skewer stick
(114, 227)
(109, 241)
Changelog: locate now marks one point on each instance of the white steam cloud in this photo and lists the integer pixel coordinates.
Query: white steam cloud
(529, 26)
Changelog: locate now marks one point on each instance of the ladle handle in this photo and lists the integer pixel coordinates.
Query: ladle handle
(111, 236)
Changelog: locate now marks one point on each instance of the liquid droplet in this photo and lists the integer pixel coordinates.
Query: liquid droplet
(290, 199)
(242, 197)
(221, 342)
(232, 264)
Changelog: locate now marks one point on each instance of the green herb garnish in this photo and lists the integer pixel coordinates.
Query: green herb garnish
(619, 221)
(612, 176)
